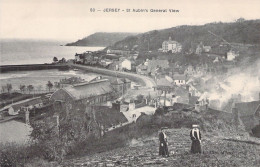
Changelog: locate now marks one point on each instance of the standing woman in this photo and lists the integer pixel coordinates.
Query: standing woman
(163, 147)
(195, 136)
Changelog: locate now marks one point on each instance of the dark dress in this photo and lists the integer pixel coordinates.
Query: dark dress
(195, 145)
(163, 148)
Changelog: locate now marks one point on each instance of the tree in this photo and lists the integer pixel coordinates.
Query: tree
(49, 85)
(30, 88)
(55, 59)
(22, 88)
(3, 88)
(56, 138)
(63, 60)
(9, 87)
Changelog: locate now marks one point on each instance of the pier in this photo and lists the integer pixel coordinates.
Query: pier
(29, 67)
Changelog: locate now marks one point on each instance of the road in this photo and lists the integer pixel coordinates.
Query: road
(140, 79)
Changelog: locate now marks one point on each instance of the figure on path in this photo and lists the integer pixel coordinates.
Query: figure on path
(163, 147)
(195, 136)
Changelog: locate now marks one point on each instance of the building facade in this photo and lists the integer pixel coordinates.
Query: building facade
(171, 46)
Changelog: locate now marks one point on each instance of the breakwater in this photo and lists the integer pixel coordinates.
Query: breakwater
(143, 80)
(30, 67)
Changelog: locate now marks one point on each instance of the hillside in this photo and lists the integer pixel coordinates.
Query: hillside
(245, 32)
(100, 39)
(217, 151)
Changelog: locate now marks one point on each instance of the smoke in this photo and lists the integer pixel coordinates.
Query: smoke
(241, 82)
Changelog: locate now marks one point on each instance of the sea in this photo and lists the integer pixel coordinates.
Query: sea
(19, 51)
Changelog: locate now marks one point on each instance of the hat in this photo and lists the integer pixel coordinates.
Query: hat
(195, 126)
(162, 128)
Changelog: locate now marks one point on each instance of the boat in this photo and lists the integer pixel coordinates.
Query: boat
(75, 69)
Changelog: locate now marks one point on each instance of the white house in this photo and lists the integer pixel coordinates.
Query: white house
(172, 46)
(231, 55)
(126, 64)
(179, 80)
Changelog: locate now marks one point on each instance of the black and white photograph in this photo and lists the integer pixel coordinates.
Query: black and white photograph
(127, 83)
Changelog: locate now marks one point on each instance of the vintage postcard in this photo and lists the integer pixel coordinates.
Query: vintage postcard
(129, 83)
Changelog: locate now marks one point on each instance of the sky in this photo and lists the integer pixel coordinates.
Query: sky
(72, 19)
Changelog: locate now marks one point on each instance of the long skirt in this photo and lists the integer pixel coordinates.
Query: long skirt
(163, 150)
(195, 146)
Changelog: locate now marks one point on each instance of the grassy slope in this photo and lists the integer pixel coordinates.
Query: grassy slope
(216, 152)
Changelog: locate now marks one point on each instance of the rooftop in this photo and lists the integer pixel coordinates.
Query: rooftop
(86, 90)
(247, 108)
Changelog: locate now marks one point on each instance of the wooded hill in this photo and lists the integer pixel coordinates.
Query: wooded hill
(242, 31)
(101, 39)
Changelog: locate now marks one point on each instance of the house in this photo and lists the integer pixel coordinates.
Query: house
(118, 52)
(206, 49)
(121, 85)
(248, 113)
(126, 64)
(88, 58)
(114, 66)
(24, 105)
(163, 83)
(194, 90)
(95, 92)
(190, 70)
(142, 69)
(153, 64)
(180, 95)
(103, 118)
(79, 58)
(112, 57)
(171, 46)
(134, 114)
(105, 62)
(231, 55)
(179, 79)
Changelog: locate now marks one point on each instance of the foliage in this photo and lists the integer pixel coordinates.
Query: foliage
(245, 31)
(30, 88)
(57, 136)
(139, 98)
(22, 88)
(49, 85)
(9, 87)
(55, 59)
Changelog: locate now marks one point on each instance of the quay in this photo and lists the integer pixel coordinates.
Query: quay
(29, 67)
